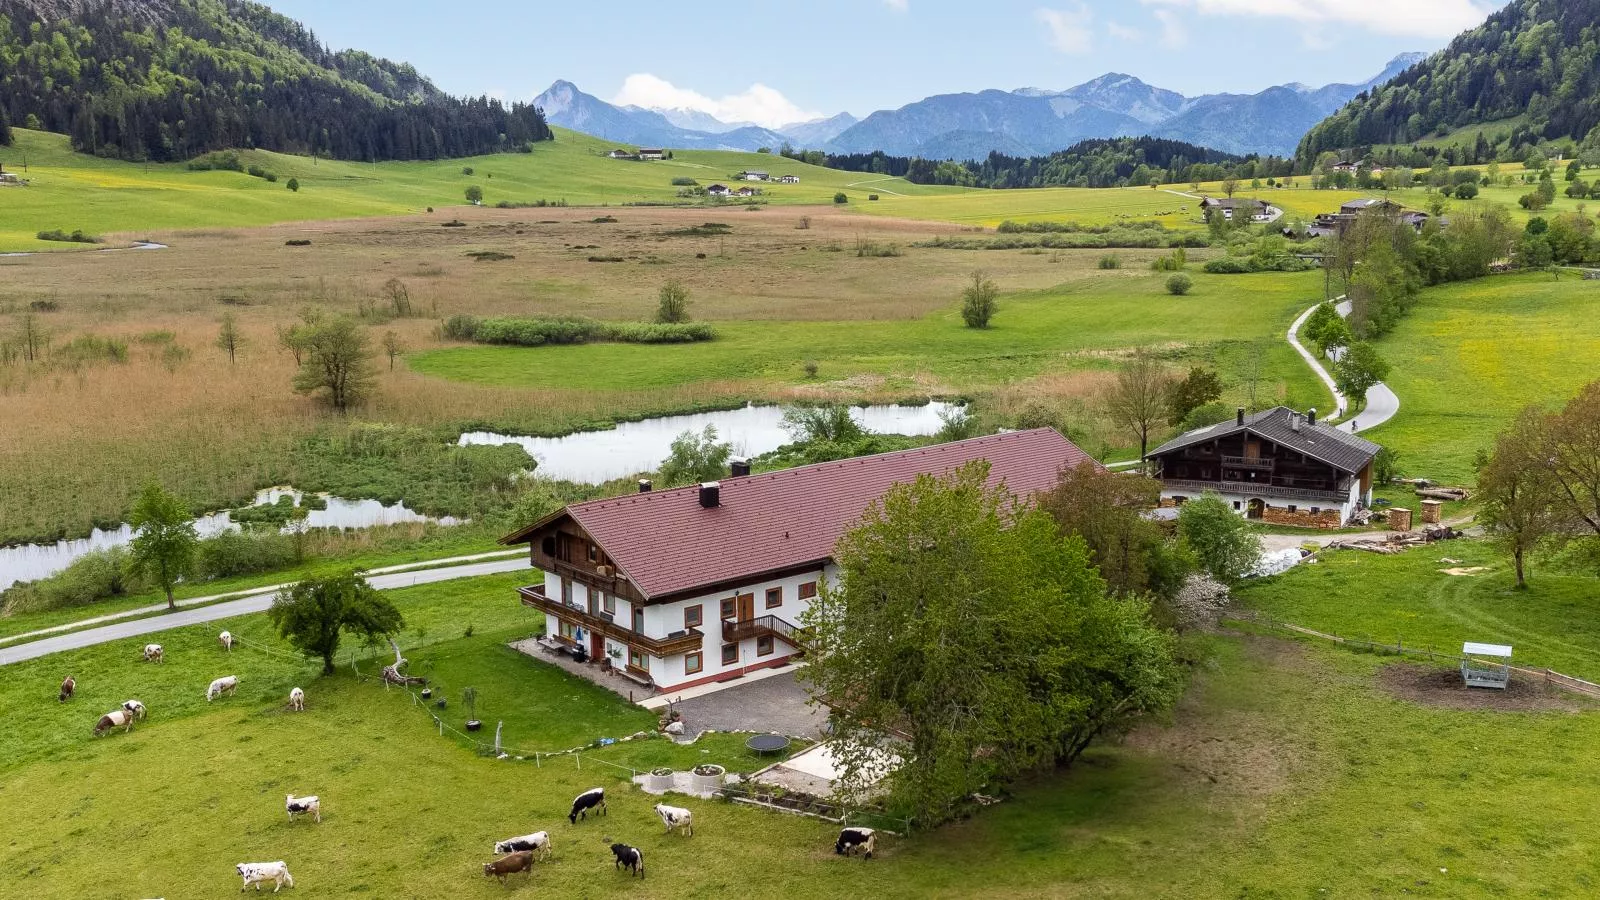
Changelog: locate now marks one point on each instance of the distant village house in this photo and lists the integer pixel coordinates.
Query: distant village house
(1228, 206)
(789, 179)
(652, 153)
(718, 190)
(753, 175)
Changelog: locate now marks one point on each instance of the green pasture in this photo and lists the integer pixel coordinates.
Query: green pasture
(1472, 354)
(1369, 795)
(75, 191)
(1408, 598)
(1069, 327)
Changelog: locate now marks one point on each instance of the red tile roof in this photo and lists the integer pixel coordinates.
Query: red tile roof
(667, 544)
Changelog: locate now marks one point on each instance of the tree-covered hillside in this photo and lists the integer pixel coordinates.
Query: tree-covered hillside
(1098, 163)
(1539, 58)
(169, 79)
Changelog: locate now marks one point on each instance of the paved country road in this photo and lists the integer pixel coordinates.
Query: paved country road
(254, 603)
(1382, 403)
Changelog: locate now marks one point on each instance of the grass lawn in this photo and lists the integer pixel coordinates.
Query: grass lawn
(76, 191)
(1471, 355)
(1555, 623)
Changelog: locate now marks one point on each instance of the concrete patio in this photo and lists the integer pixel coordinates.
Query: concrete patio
(624, 687)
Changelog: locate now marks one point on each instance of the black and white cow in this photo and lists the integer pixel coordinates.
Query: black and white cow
(297, 700)
(261, 873)
(590, 799)
(676, 818)
(153, 653)
(300, 806)
(538, 842)
(134, 708)
(630, 858)
(853, 839)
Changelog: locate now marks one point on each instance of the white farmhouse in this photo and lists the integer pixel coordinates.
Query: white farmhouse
(707, 583)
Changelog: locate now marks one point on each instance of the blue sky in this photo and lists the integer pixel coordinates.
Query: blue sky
(774, 62)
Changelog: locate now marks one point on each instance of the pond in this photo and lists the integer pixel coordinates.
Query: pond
(30, 562)
(592, 457)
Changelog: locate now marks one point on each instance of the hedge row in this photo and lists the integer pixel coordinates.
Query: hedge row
(537, 332)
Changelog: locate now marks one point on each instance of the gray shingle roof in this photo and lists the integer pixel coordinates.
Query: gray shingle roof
(1340, 449)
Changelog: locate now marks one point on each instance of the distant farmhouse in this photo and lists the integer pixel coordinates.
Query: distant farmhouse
(748, 191)
(753, 175)
(1257, 210)
(1326, 224)
(620, 153)
(1279, 466)
(652, 153)
(718, 190)
(789, 179)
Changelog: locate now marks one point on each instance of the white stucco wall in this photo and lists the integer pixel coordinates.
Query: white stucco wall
(1241, 502)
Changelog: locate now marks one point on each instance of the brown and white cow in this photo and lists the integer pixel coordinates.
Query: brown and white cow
(133, 708)
(520, 861)
(297, 700)
(117, 718)
(227, 684)
(153, 653)
(67, 687)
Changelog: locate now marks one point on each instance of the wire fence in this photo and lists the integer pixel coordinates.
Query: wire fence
(805, 805)
(1419, 651)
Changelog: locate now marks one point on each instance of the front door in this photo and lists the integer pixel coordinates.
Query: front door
(746, 607)
(1256, 509)
(597, 646)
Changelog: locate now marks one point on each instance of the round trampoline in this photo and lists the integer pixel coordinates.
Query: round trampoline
(767, 743)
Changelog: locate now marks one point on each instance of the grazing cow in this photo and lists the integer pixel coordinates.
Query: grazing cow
(117, 718)
(134, 708)
(299, 806)
(227, 684)
(152, 653)
(520, 861)
(676, 817)
(67, 687)
(297, 700)
(538, 842)
(261, 873)
(226, 640)
(586, 801)
(631, 858)
(853, 839)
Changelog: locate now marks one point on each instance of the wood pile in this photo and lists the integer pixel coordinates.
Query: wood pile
(1398, 541)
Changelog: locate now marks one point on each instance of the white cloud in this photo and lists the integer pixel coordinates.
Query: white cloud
(1173, 34)
(1123, 32)
(1411, 18)
(898, 5)
(1069, 29)
(757, 104)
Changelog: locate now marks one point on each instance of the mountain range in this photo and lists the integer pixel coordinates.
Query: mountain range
(1022, 122)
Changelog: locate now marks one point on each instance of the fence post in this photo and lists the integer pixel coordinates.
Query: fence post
(579, 758)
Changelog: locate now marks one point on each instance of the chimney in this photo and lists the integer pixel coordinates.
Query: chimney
(1311, 416)
(711, 495)
(739, 466)
(1240, 419)
(645, 485)
(1294, 422)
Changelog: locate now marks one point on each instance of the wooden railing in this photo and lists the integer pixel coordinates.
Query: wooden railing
(1254, 487)
(1249, 462)
(763, 626)
(686, 641)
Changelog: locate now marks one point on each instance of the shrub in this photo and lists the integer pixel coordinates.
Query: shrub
(684, 182)
(811, 368)
(297, 242)
(460, 328)
(1110, 261)
(453, 223)
(840, 198)
(1466, 190)
(466, 170)
(217, 160)
(474, 194)
(76, 237)
(979, 301)
(1220, 540)
(538, 332)
(1226, 265)
(294, 185)
(1179, 284)
(94, 576)
(872, 196)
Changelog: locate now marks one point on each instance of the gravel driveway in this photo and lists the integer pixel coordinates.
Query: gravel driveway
(772, 704)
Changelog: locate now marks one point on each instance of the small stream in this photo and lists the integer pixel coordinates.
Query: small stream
(592, 457)
(30, 562)
(137, 245)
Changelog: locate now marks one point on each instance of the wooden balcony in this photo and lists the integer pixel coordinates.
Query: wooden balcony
(686, 641)
(1249, 462)
(1255, 487)
(763, 626)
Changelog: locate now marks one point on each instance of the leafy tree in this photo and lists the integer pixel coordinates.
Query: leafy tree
(1358, 370)
(672, 303)
(830, 423)
(940, 584)
(1534, 251)
(695, 458)
(1333, 335)
(474, 194)
(312, 614)
(840, 198)
(1521, 502)
(1230, 186)
(392, 347)
(1466, 190)
(1320, 318)
(979, 301)
(5, 129)
(1200, 387)
(1571, 451)
(1578, 189)
(228, 338)
(1573, 168)
(1107, 511)
(1219, 538)
(164, 539)
(1138, 401)
(336, 358)
(1179, 284)
(293, 184)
